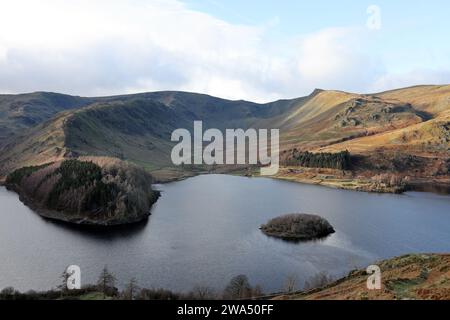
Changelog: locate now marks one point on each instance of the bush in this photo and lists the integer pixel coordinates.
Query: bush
(390, 180)
(158, 294)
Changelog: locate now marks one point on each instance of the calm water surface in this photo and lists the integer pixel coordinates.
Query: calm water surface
(204, 230)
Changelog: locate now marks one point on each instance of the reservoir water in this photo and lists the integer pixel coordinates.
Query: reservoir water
(204, 231)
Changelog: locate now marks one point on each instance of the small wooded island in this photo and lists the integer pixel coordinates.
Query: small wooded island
(89, 191)
(298, 227)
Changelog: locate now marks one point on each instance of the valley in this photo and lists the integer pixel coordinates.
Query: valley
(237, 151)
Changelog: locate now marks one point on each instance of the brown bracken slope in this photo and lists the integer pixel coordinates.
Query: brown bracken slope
(416, 276)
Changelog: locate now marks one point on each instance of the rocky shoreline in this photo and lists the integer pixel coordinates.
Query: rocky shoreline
(324, 177)
(329, 178)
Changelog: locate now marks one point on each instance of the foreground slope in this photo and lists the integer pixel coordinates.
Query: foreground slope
(415, 276)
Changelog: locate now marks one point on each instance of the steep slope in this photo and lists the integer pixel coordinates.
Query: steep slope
(330, 117)
(138, 130)
(134, 127)
(19, 112)
(37, 145)
(429, 137)
(415, 276)
(216, 112)
(430, 99)
(319, 102)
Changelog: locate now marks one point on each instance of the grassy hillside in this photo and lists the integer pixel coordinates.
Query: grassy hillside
(138, 130)
(40, 144)
(331, 117)
(135, 127)
(411, 121)
(416, 277)
(430, 99)
(432, 137)
(19, 112)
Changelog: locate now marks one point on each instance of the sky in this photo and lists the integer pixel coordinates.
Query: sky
(255, 50)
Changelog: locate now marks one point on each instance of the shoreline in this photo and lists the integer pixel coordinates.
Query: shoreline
(350, 184)
(423, 186)
(343, 184)
(347, 183)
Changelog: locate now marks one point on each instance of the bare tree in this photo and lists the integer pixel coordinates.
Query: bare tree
(257, 291)
(8, 293)
(203, 292)
(63, 285)
(238, 288)
(291, 283)
(319, 280)
(131, 290)
(106, 282)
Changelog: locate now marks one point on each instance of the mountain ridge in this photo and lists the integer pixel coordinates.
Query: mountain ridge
(137, 127)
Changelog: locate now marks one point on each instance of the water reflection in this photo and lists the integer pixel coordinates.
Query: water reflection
(99, 232)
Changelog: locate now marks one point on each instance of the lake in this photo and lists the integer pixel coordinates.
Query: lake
(204, 231)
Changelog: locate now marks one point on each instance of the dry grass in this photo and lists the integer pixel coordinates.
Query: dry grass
(417, 276)
(429, 136)
(432, 99)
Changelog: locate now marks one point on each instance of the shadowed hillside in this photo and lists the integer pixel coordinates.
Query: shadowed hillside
(135, 127)
(19, 112)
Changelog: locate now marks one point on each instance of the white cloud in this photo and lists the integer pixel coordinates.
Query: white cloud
(411, 78)
(335, 59)
(101, 47)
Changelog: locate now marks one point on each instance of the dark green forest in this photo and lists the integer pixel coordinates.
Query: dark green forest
(77, 174)
(341, 160)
